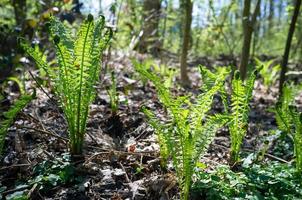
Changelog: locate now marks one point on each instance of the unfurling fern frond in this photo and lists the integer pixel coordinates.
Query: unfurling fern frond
(268, 72)
(185, 138)
(209, 78)
(241, 96)
(11, 114)
(113, 95)
(161, 132)
(289, 120)
(77, 71)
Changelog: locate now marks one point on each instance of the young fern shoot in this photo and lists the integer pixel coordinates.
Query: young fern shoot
(77, 71)
(289, 120)
(10, 115)
(241, 96)
(113, 95)
(186, 138)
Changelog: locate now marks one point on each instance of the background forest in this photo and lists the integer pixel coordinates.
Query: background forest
(150, 99)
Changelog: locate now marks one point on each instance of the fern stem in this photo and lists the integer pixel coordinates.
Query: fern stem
(80, 89)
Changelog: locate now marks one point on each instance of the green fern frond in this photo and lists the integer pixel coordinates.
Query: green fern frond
(268, 72)
(241, 96)
(11, 114)
(289, 120)
(113, 95)
(186, 138)
(77, 71)
(282, 112)
(160, 130)
(207, 133)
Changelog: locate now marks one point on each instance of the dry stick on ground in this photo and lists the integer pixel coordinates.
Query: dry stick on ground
(252, 151)
(41, 88)
(39, 85)
(126, 175)
(14, 166)
(15, 190)
(65, 140)
(268, 155)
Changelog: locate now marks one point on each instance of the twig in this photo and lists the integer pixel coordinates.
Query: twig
(39, 85)
(13, 166)
(95, 155)
(52, 157)
(126, 175)
(252, 151)
(268, 155)
(45, 132)
(29, 116)
(15, 190)
(32, 190)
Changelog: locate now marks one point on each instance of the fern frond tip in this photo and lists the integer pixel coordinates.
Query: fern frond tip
(90, 17)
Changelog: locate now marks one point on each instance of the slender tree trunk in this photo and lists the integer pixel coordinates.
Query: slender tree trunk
(19, 10)
(186, 27)
(271, 16)
(248, 27)
(151, 16)
(256, 35)
(280, 10)
(287, 46)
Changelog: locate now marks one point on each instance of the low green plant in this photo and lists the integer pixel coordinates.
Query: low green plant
(269, 181)
(10, 116)
(77, 71)
(241, 95)
(19, 83)
(51, 173)
(165, 72)
(289, 120)
(186, 135)
(113, 95)
(268, 72)
(47, 175)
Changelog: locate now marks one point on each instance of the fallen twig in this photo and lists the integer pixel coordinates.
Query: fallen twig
(45, 132)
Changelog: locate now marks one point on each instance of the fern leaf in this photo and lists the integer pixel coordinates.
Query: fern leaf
(11, 114)
(35, 55)
(205, 135)
(241, 97)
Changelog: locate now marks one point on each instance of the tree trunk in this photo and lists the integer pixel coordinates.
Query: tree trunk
(20, 11)
(280, 11)
(271, 16)
(186, 27)
(248, 26)
(149, 39)
(287, 46)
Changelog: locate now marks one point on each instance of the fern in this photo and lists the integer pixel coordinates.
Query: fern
(289, 120)
(165, 72)
(77, 71)
(241, 96)
(209, 78)
(185, 138)
(268, 72)
(11, 114)
(113, 95)
(161, 131)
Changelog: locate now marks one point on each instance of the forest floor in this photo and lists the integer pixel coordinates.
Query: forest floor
(121, 159)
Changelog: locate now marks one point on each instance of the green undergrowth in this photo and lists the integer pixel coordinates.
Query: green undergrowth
(77, 70)
(270, 181)
(10, 116)
(46, 175)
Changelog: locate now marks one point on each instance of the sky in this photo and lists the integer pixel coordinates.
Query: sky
(200, 8)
